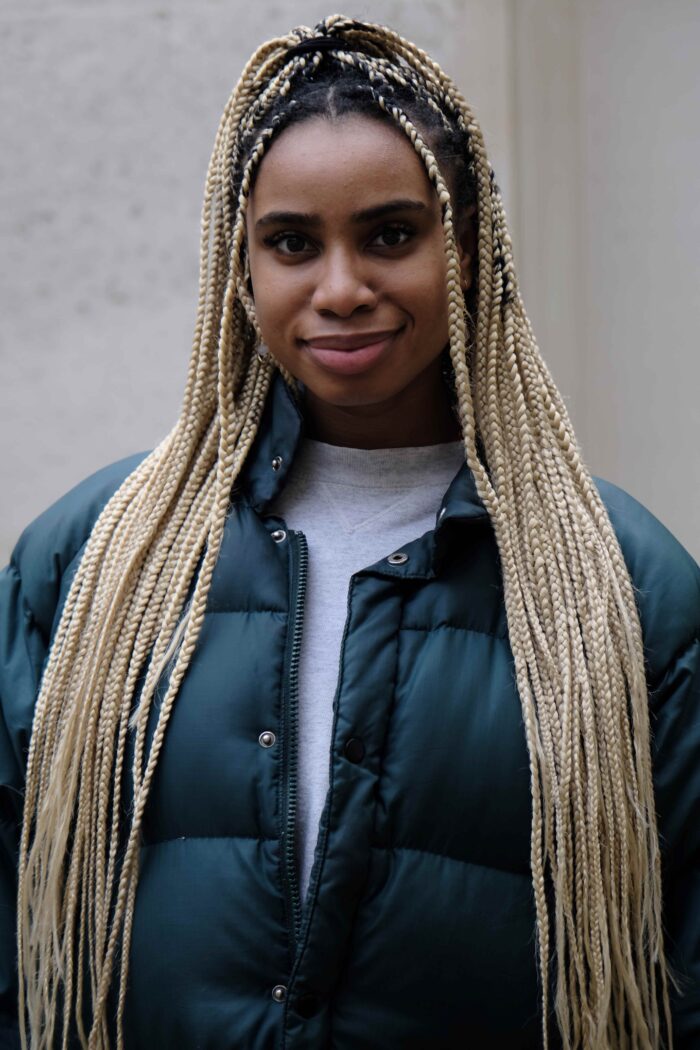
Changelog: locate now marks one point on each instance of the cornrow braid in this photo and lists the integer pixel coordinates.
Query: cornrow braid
(131, 620)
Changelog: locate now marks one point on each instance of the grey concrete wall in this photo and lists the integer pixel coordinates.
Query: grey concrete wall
(108, 117)
(640, 157)
(606, 155)
(109, 112)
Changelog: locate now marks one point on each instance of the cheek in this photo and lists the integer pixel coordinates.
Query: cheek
(271, 300)
(431, 299)
(430, 284)
(421, 285)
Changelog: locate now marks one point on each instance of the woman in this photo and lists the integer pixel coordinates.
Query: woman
(461, 849)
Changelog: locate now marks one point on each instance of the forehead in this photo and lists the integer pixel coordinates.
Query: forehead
(323, 162)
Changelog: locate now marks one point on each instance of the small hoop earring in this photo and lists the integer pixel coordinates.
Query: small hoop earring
(262, 351)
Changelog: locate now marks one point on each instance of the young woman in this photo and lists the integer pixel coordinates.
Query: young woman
(356, 714)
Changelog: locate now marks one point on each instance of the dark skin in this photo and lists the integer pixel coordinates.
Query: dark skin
(321, 271)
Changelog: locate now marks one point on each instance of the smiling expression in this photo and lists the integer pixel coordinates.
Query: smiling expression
(348, 269)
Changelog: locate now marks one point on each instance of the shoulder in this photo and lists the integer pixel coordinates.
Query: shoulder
(50, 543)
(665, 576)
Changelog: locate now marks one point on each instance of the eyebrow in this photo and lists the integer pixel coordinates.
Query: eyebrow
(365, 215)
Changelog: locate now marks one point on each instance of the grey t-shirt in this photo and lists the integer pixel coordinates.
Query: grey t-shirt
(355, 506)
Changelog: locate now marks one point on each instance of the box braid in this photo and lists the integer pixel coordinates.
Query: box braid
(136, 604)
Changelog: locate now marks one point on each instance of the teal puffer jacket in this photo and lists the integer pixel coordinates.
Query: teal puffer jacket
(418, 929)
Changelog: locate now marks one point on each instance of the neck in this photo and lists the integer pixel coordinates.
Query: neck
(416, 416)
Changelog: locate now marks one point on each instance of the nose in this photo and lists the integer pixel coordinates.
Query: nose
(342, 284)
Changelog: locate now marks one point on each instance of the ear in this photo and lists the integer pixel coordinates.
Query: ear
(466, 245)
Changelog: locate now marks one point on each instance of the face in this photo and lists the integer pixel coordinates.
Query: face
(348, 271)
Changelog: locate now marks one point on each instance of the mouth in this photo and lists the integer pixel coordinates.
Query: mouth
(350, 355)
(354, 341)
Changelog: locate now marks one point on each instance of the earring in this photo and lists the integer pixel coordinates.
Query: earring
(262, 351)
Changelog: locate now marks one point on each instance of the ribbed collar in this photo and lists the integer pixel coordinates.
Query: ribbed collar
(377, 468)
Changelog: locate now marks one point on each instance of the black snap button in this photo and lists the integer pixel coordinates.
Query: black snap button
(307, 1005)
(354, 750)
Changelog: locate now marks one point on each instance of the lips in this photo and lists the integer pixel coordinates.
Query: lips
(350, 354)
(349, 342)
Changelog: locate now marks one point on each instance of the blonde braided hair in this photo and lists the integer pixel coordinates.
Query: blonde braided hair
(138, 599)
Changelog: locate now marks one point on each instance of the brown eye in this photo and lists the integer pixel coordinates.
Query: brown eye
(395, 235)
(295, 242)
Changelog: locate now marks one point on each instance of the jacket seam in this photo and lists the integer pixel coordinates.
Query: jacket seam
(457, 860)
(71, 555)
(391, 707)
(14, 567)
(30, 620)
(453, 627)
(670, 667)
(213, 838)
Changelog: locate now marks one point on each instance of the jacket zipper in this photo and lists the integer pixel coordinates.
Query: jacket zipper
(299, 560)
(323, 826)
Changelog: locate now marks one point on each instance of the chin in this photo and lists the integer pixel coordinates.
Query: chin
(350, 395)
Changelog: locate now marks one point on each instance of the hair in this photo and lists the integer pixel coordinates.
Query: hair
(137, 600)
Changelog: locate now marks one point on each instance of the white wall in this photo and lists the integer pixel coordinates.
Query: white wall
(640, 157)
(590, 112)
(607, 97)
(546, 228)
(107, 125)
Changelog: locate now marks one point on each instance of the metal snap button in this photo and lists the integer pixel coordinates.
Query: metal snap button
(267, 738)
(279, 993)
(354, 750)
(279, 535)
(277, 463)
(397, 559)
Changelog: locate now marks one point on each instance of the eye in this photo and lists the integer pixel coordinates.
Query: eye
(295, 242)
(395, 235)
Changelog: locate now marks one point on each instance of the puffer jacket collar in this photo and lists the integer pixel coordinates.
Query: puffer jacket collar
(270, 460)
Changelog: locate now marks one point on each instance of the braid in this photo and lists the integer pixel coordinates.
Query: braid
(137, 601)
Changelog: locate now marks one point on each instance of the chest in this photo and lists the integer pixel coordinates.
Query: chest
(419, 901)
(424, 686)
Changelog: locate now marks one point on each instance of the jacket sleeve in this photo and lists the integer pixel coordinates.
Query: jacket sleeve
(33, 588)
(666, 579)
(22, 654)
(666, 582)
(676, 745)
